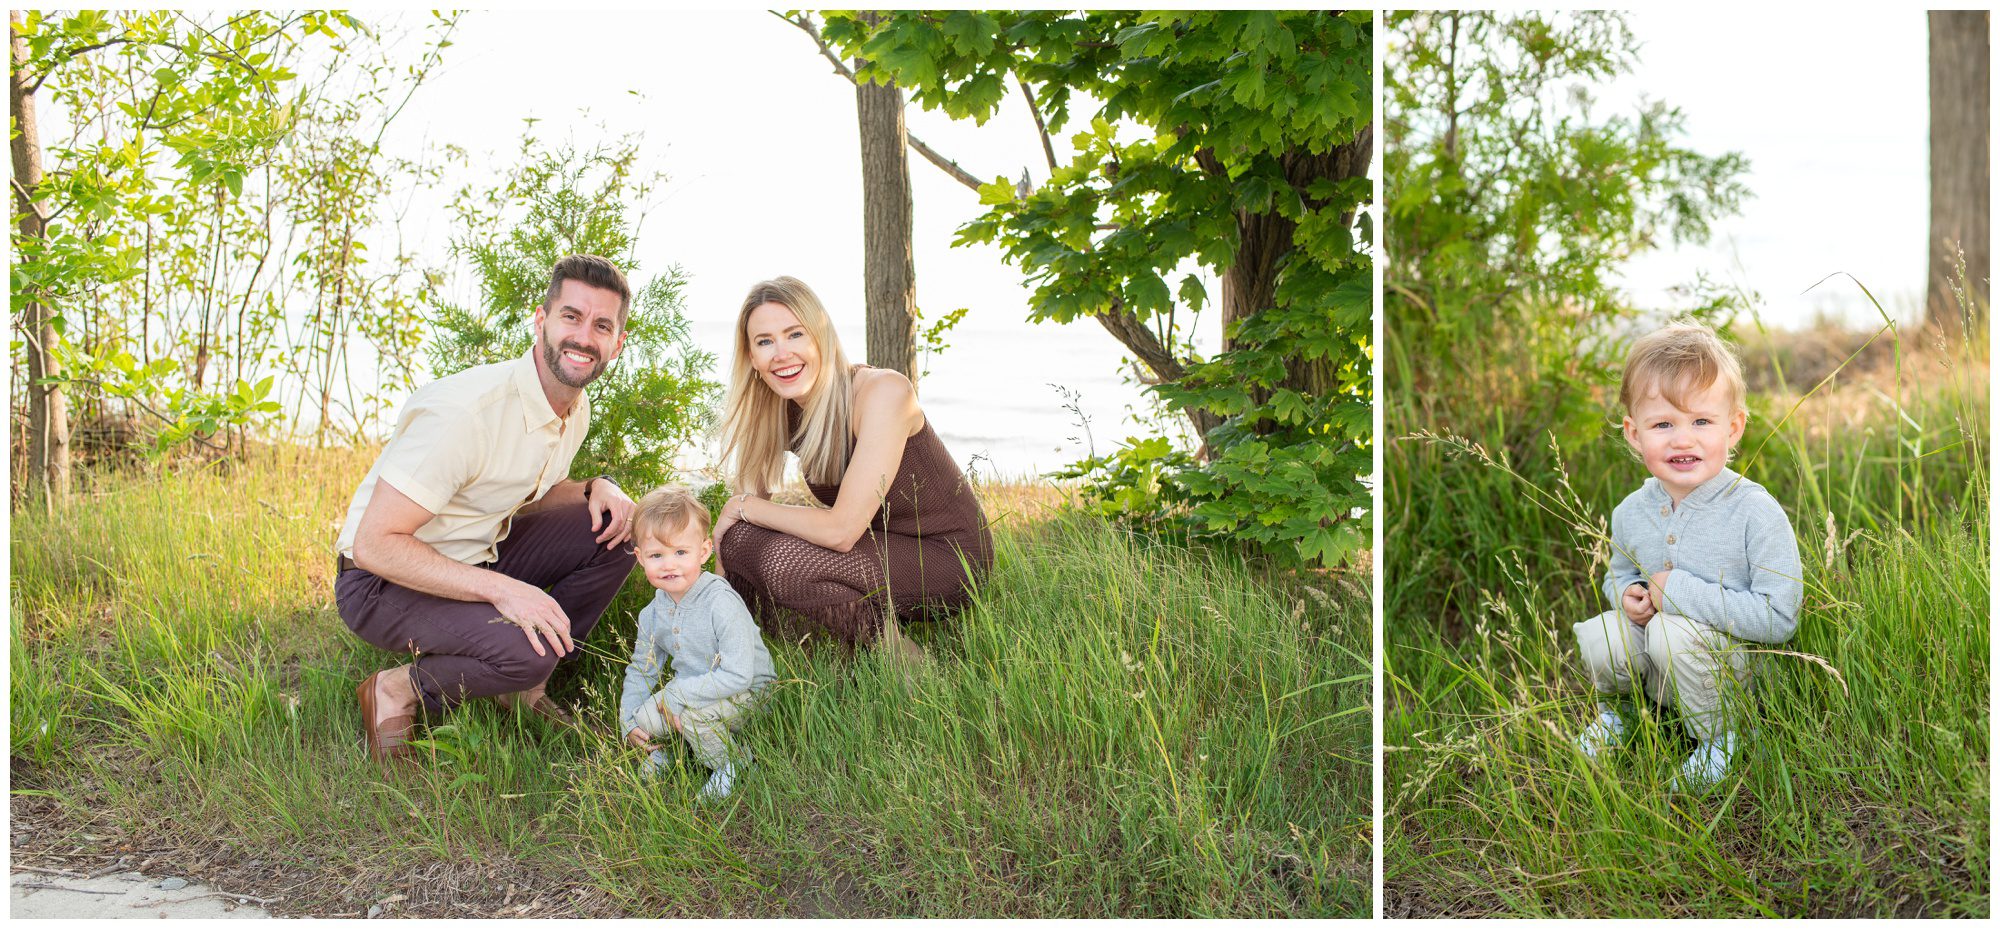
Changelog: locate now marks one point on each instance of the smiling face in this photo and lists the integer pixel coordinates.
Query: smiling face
(1684, 448)
(782, 352)
(578, 334)
(673, 563)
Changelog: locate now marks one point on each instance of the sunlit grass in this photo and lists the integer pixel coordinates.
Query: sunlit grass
(1118, 726)
(1864, 789)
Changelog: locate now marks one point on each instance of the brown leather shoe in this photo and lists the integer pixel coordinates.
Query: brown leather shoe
(543, 707)
(390, 739)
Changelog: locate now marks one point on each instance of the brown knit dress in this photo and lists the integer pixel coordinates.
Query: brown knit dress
(920, 555)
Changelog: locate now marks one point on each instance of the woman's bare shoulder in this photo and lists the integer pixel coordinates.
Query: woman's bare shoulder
(880, 390)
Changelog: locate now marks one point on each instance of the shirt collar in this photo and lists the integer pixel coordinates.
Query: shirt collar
(535, 409)
(1711, 490)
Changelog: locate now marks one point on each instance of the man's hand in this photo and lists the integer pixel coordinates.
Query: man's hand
(1638, 603)
(609, 505)
(537, 613)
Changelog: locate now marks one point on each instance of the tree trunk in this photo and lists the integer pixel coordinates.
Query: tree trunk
(1250, 284)
(887, 265)
(48, 414)
(1961, 156)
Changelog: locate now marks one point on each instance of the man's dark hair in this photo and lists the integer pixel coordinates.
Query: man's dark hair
(594, 271)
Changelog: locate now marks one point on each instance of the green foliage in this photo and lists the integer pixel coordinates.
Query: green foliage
(1500, 320)
(196, 166)
(1128, 484)
(1212, 136)
(931, 338)
(1508, 211)
(655, 400)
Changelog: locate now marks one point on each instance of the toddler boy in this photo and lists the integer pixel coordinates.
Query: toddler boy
(699, 623)
(1702, 559)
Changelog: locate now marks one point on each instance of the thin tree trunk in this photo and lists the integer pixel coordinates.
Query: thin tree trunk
(888, 267)
(333, 335)
(1961, 161)
(48, 412)
(146, 301)
(209, 317)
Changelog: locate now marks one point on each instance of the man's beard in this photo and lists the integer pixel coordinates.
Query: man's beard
(552, 356)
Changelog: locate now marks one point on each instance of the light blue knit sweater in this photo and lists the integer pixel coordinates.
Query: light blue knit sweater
(713, 643)
(1732, 559)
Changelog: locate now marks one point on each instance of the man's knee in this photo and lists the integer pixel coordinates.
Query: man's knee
(520, 668)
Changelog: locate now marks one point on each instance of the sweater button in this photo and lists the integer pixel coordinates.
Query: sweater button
(1670, 564)
(1667, 510)
(1670, 540)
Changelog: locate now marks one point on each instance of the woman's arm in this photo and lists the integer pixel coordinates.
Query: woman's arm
(886, 412)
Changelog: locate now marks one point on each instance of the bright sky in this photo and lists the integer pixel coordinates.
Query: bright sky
(1832, 112)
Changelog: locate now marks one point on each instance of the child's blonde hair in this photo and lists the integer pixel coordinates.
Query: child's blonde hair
(1678, 359)
(664, 511)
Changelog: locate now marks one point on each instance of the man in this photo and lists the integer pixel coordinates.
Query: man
(467, 545)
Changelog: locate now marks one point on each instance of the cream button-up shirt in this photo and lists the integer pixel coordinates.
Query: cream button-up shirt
(474, 448)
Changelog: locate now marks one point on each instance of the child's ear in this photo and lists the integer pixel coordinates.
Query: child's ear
(1738, 421)
(1632, 434)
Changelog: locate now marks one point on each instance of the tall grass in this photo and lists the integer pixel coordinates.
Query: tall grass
(1116, 727)
(1864, 787)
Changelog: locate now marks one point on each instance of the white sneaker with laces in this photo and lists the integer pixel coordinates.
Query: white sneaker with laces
(1605, 732)
(1707, 765)
(655, 764)
(719, 784)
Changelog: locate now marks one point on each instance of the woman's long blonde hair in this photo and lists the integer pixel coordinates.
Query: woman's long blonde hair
(754, 433)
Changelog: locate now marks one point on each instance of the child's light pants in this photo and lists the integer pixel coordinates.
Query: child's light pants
(1674, 656)
(707, 728)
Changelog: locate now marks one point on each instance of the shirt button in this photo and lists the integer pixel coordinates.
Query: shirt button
(1670, 564)
(1666, 510)
(1670, 540)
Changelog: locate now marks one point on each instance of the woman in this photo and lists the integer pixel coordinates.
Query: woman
(899, 530)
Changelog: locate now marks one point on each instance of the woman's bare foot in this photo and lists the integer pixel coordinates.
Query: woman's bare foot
(900, 647)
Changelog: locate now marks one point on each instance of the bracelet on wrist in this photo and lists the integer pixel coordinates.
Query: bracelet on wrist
(606, 478)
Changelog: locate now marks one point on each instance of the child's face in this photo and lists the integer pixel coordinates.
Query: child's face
(1685, 447)
(674, 563)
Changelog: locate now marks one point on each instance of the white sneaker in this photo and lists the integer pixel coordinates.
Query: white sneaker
(1605, 732)
(719, 784)
(1707, 765)
(656, 763)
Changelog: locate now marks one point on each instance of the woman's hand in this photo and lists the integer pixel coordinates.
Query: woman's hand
(732, 513)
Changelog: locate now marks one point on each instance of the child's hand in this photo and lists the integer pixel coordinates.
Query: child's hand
(638, 739)
(672, 720)
(1638, 604)
(1659, 589)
